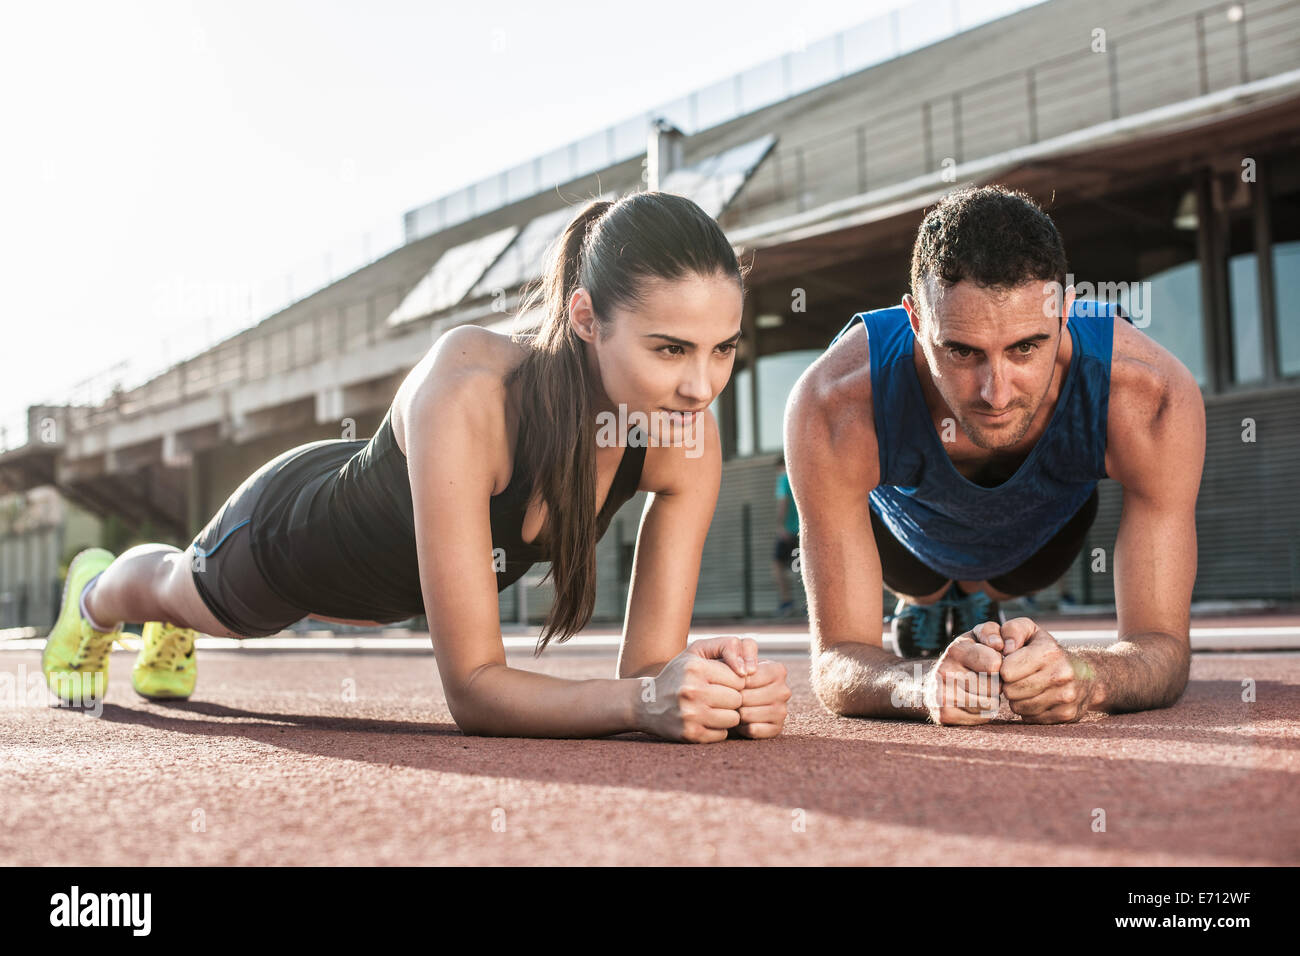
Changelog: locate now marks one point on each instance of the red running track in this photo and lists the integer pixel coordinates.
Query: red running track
(269, 764)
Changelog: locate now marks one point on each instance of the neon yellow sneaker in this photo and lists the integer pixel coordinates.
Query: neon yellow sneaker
(166, 667)
(75, 659)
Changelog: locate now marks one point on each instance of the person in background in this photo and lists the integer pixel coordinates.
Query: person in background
(787, 540)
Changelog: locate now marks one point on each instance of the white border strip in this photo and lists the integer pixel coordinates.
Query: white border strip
(1203, 639)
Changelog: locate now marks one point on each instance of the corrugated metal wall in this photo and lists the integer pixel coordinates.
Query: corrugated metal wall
(29, 576)
(1247, 513)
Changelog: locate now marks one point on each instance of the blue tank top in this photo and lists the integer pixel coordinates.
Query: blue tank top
(960, 529)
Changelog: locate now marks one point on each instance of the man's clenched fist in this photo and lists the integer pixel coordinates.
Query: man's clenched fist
(963, 686)
(1043, 682)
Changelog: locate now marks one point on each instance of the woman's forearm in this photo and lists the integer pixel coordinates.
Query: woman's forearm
(502, 701)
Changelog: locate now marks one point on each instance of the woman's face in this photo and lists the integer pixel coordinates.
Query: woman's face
(670, 354)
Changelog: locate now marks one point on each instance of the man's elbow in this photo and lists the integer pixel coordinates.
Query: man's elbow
(1168, 660)
(823, 684)
(1178, 666)
(1181, 671)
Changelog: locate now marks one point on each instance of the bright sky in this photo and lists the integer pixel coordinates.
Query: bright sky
(163, 161)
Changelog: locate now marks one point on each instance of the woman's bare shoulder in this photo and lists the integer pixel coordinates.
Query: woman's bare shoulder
(473, 350)
(467, 366)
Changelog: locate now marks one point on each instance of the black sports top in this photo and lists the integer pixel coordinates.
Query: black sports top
(333, 531)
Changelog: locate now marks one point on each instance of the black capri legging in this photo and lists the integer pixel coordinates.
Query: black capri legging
(905, 574)
(224, 566)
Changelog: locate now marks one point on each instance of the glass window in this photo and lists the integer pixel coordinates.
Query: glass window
(556, 167)
(456, 208)
(813, 66)
(776, 377)
(526, 256)
(868, 44)
(630, 137)
(1284, 218)
(679, 113)
(744, 413)
(1243, 300)
(1243, 297)
(1286, 280)
(593, 153)
(761, 85)
(452, 276)
(488, 194)
(715, 180)
(924, 22)
(717, 103)
(428, 219)
(1173, 314)
(521, 181)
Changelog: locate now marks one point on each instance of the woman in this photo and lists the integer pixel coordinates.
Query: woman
(491, 447)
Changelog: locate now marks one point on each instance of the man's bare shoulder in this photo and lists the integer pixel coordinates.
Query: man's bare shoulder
(832, 401)
(1154, 406)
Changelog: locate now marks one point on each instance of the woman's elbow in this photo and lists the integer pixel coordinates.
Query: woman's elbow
(473, 721)
(470, 706)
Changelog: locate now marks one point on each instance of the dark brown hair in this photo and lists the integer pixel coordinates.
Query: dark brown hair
(610, 249)
(995, 237)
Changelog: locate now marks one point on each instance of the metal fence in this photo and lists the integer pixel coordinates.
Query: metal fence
(1221, 46)
(252, 355)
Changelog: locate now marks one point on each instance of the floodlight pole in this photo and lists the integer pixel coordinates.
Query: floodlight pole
(663, 152)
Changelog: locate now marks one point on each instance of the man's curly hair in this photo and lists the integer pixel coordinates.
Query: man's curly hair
(995, 237)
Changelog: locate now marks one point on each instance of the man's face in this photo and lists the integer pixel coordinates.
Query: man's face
(991, 354)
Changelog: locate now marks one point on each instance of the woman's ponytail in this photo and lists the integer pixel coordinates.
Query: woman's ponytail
(559, 434)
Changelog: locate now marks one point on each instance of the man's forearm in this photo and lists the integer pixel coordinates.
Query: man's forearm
(862, 680)
(1141, 672)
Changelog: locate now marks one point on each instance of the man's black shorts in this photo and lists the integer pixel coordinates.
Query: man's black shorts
(905, 574)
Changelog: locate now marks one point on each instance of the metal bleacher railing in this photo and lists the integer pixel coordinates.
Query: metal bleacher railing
(1221, 46)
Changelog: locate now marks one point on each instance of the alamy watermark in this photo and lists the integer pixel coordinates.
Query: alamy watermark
(943, 690)
(1135, 297)
(75, 908)
(656, 429)
(81, 690)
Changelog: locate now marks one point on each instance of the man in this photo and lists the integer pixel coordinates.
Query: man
(951, 448)
(787, 539)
